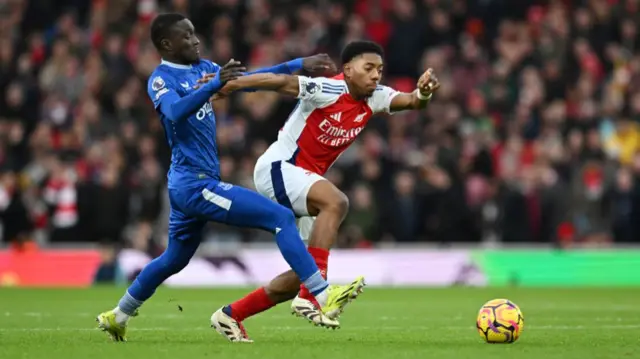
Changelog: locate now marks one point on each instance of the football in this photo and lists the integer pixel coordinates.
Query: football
(500, 321)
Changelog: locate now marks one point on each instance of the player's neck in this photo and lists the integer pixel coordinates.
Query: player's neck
(175, 61)
(354, 93)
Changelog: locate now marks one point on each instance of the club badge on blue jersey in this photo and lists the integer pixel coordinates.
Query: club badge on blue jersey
(158, 83)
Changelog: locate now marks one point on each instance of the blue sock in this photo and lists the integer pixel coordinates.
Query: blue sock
(172, 261)
(129, 304)
(295, 253)
(316, 283)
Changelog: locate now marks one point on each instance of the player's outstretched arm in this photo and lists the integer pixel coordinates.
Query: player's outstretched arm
(284, 84)
(418, 99)
(315, 63)
(176, 108)
(320, 63)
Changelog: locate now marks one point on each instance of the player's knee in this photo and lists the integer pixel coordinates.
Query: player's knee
(179, 264)
(172, 264)
(283, 217)
(338, 204)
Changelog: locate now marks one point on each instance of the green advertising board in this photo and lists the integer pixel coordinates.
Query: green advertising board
(560, 268)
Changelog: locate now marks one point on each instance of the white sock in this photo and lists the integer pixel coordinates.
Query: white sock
(322, 297)
(121, 317)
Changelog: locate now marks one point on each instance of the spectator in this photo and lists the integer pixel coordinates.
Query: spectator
(361, 225)
(16, 224)
(109, 271)
(533, 135)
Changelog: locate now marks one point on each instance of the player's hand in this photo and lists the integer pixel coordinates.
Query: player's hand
(428, 83)
(231, 71)
(319, 63)
(206, 78)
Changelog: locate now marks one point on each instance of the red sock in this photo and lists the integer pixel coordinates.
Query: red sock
(321, 257)
(253, 303)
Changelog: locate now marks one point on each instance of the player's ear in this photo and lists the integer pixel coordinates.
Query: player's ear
(347, 70)
(166, 44)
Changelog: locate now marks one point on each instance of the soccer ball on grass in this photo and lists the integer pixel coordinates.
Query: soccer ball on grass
(500, 321)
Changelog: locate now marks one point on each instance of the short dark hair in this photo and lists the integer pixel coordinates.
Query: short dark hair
(357, 48)
(161, 26)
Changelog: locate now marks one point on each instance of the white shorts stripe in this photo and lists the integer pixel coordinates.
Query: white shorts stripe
(217, 199)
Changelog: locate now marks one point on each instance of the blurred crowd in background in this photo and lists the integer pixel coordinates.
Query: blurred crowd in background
(533, 137)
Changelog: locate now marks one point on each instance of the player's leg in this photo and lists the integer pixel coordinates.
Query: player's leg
(184, 238)
(240, 207)
(284, 287)
(290, 185)
(281, 289)
(308, 195)
(270, 182)
(305, 193)
(249, 209)
(330, 206)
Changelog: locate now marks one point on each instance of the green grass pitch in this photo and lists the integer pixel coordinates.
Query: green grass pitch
(382, 323)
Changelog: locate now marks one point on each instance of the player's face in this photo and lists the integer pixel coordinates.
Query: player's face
(184, 42)
(365, 72)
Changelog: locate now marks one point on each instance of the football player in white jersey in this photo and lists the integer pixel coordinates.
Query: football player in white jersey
(330, 113)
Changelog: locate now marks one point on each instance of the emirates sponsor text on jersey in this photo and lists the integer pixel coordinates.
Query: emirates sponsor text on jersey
(337, 136)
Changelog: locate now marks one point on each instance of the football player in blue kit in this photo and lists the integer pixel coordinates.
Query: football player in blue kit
(196, 192)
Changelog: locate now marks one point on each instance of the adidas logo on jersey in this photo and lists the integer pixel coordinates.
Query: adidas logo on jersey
(336, 116)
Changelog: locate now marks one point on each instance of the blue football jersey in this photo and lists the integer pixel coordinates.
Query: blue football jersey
(194, 152)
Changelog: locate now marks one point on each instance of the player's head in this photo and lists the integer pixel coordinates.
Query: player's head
(174, 37)
(362, 65)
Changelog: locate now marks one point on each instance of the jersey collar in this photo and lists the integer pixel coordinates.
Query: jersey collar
(175, 66)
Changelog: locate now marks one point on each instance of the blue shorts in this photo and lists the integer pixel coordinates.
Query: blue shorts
(210, 200)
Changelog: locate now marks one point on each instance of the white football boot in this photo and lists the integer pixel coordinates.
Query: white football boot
(338, 298)
(229, 328)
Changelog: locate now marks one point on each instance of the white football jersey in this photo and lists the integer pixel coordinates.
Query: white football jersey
(325, 122)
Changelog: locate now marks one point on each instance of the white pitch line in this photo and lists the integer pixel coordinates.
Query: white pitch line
(280, 316)
(538, 306)
(82, 315)
(354, 328)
